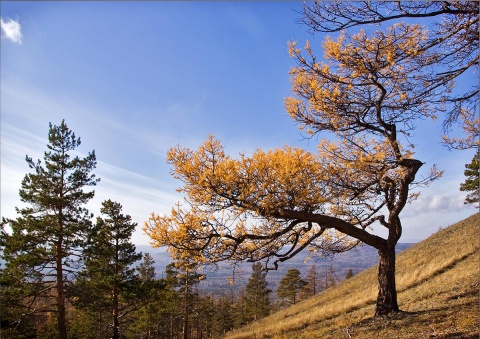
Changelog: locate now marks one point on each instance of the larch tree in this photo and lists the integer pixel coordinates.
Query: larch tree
(43, 247)
(109, 283)
(272, 205)
(330, 279)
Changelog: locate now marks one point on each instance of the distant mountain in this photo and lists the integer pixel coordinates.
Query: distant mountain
(218, 281)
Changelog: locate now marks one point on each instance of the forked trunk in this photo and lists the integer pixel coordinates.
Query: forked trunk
(387, 290)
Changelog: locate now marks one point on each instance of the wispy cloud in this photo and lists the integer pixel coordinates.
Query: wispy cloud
(138, 194)
(436, 203)
(11, 30)
(249, 22)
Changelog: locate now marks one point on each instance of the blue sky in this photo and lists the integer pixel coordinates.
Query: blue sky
(133, 79)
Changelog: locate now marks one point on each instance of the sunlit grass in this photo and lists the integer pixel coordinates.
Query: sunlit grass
(437, 281)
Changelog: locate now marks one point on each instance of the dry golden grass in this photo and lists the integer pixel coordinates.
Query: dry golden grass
(438, 292)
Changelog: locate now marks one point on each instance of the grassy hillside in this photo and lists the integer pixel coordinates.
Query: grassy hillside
(438, 285)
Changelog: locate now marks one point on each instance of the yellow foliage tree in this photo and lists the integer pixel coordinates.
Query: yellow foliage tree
(272, 205)
(452, 42)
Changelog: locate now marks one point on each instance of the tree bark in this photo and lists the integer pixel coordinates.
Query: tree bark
(61, 317)
(185, 322)
(116, 331)
(387, 291)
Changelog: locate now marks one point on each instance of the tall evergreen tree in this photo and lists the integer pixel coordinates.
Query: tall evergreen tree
(108, 282)
(471, 183)
(290, 285)
(42, 248)
(146, 269)
(183, 276)
(224, 315)
(256, 298)
(173, 302)
(151, 320)
(161, 313)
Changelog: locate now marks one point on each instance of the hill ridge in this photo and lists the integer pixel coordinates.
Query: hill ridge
(437, 284)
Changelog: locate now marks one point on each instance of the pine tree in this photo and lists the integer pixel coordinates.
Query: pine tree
(204, 318)
(183, 275)
(146, 269)
(471, 183)
(349, 274)
(290, 285)
(42, 248)
(224, 315)
(256, 298)
(108, 283)
(150, 320)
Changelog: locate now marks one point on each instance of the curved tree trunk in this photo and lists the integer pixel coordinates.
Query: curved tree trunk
(387, 290)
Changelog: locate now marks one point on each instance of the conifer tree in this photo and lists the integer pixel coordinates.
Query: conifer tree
(471, 183)
(224, 315)
(257, 301)
(42, 248)
(366, 91)
(369, 96)
(146, 269)
(312, 283)
(183, 275)
(108, 283)
(203, 321)
(290, 285)
(151, 320)
(453, 39)
(330, 279)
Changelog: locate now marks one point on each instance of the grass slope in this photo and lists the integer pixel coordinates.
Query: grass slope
(438, 292)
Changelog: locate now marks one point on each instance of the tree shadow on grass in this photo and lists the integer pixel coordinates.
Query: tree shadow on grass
(436, 323)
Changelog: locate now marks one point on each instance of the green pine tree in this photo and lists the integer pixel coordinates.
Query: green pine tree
(471, 183)
(108, 284)
(42, 248)
(224, 315)
(146, 269)
(151, 320)
(290, 285)
(256, 297)
(187, 278)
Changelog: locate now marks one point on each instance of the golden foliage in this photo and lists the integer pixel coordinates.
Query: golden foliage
(276, 203)
(369, 82)
(471, 127)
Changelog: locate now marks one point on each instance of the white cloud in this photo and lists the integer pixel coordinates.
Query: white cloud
(11, 30)
(436, 203)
